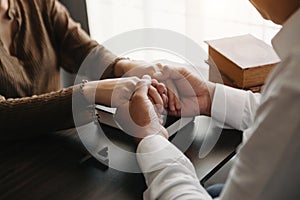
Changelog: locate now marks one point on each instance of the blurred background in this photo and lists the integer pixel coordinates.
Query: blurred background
(198, 19)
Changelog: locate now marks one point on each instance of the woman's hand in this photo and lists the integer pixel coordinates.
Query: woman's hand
(114, 92)
(129, 68)
(195, 94)
(101, 92)
(139, 117)
(126, 68)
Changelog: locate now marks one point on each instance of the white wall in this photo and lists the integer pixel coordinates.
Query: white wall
(198, 19)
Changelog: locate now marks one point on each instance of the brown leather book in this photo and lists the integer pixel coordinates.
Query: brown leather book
(245, 60)
(218, 77)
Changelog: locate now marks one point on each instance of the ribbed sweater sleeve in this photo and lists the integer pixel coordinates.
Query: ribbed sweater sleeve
(41, 114)
(46, 39)
(74, 44)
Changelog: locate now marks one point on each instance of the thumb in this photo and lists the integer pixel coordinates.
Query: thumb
(142, 86)
(167, 73)
(162, 75)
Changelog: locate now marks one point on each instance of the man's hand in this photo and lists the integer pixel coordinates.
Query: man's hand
(129, 68)
(139, 117)
(195, 94)
(136, 68)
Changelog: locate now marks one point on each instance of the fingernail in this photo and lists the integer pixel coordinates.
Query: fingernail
(147, 77)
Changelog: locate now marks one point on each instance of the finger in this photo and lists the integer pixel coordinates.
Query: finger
(171, 100)
(175, 101)
(147, 78)
(154, 82)
(177, 104)
(162, 89)
(157, 99)
(175, 98)
(159, 64)
(143, 86)
(172, 95)
(165, 100)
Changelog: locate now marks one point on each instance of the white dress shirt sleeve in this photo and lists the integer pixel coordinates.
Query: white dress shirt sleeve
(168, 172)
(267, 165)
(234, 107)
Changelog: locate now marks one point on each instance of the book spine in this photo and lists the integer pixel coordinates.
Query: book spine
(226, 66)
(257, 76)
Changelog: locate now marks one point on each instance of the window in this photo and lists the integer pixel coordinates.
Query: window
(198, 19)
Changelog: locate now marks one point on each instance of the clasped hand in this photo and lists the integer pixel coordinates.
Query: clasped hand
(188, 94)
(140, 116)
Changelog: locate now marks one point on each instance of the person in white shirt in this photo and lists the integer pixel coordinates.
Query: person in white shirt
(267, 165)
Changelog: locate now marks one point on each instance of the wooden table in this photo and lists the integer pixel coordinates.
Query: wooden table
(49, 167)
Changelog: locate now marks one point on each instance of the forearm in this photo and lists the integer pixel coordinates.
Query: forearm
(100, 92)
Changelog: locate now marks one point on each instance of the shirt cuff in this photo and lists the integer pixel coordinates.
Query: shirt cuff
(155, 151)
(228, 106)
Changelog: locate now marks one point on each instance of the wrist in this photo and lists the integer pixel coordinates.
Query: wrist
(99, 92)
(88, 90)
(120, 66)
(211, 92)
(163, 132)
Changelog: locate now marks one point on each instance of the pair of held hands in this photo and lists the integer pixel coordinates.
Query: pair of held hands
(174, 91)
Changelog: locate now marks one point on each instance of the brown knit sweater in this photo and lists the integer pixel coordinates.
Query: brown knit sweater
(46, 39)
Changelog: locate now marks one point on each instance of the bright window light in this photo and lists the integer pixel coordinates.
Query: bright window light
(198, 19)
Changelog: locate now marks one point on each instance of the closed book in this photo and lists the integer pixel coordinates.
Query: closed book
(218, 77)
(246, 60)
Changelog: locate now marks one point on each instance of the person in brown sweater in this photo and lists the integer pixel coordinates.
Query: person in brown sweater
(37, 37)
